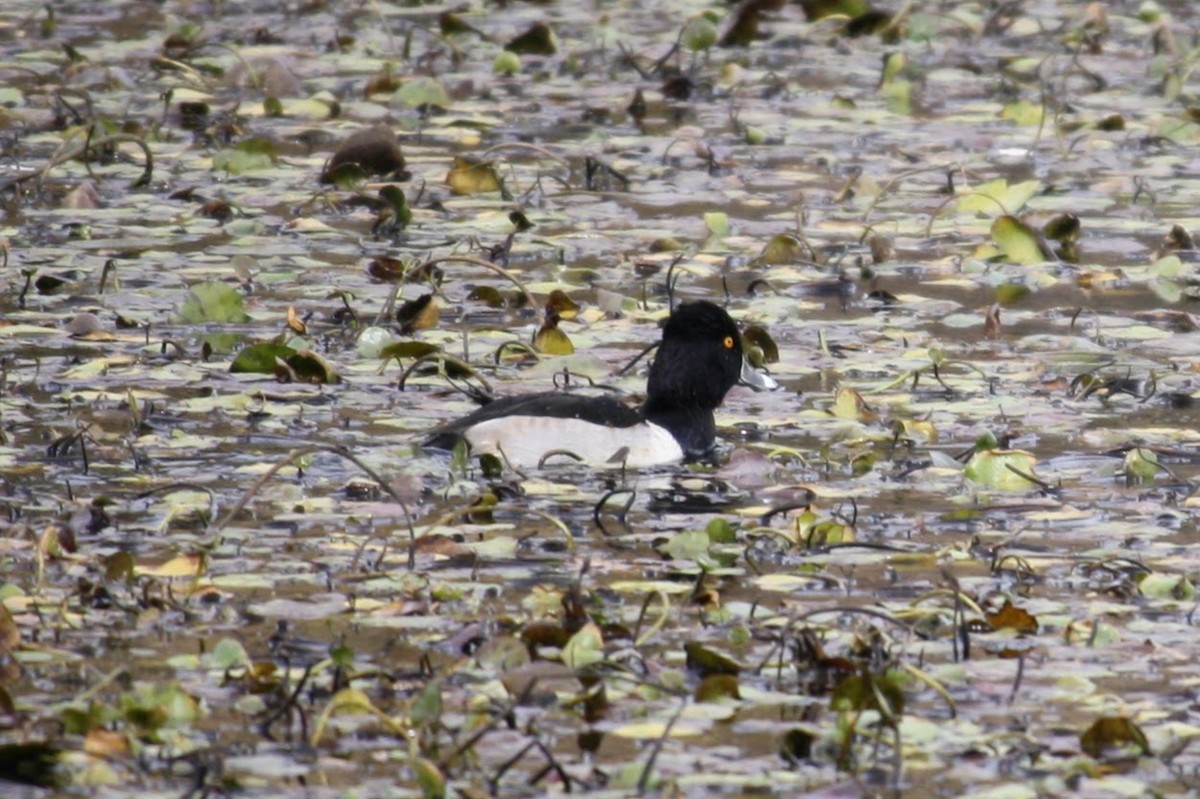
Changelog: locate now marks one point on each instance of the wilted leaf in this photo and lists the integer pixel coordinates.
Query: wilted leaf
(469, 178)
(1113, 733)
(538, 39)
(309, 367)
(418, 314)
(373, 150)
(1010, 617)
(759, 339)
(717, 687)
(558, 304)
(783, 248)
(707, 662)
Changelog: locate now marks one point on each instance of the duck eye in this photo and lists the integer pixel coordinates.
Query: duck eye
(728, 342)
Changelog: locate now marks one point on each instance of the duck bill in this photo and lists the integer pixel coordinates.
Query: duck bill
(753, 378)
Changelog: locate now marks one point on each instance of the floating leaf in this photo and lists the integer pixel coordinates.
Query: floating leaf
(249, 155)
(720, 531)
(408, 349)
(1168, 267)
(1008, 294)
(996, 196)
(1141, 465)
(228, 653)
(1024, 112)
(849, 404)
(1166, 587)
(261, 358)
(422, 91)
(993, 468)
(344, 176)
(585, 648)
(507, 63)
(687, 545)
(1017, 241)
(698, 34)
(178, 566)
(212, 302)
(717, 224)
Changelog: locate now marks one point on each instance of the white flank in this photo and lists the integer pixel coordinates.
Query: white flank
(526, 439)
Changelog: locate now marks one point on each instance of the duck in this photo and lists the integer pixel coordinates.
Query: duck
(698, 361)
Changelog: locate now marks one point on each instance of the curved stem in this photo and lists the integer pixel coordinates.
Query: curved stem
(499, 270)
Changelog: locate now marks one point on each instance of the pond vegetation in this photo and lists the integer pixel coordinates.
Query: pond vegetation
(254, 252)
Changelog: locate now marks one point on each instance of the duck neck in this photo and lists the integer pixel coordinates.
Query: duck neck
(694, 428)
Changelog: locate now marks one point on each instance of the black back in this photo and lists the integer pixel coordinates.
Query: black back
(698, 361)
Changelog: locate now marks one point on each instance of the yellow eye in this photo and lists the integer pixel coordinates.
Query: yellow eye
(728, 342)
